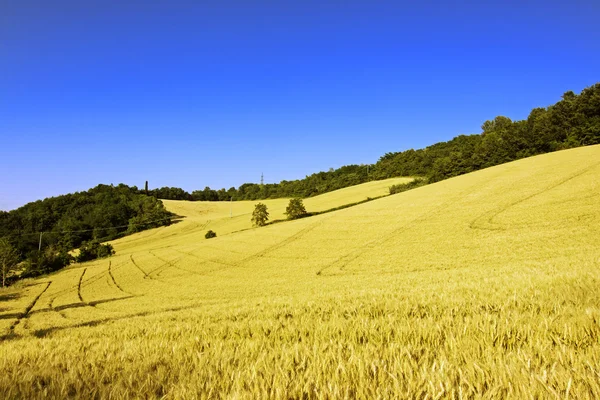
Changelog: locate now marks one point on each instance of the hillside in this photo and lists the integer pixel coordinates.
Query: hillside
(225, 217)
(484, 283)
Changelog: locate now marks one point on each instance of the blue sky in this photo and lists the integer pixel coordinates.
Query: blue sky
(194, 94)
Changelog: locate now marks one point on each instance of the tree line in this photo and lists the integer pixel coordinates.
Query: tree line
(572, 122)
(106, 212)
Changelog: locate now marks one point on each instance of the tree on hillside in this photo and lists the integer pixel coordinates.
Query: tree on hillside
(8, 259)
(260, 215)
(295, 209)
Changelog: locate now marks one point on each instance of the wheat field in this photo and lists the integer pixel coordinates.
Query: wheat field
(226, 217)
(485, 285)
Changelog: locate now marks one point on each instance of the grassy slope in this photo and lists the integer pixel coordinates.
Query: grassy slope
(487, 283)
(225, 217)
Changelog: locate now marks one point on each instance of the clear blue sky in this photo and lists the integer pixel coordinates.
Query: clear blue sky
(197, 93)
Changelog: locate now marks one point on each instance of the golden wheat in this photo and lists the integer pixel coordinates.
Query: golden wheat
(485, 285)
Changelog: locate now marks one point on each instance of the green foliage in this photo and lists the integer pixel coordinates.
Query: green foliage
(8, 259)
(93, 250)
(170, 193)
(574, 121)
(210, 234)
(48, 260)
(260, 215)
(295, 209)
(403, 187)
(151, 213)
(101, 213)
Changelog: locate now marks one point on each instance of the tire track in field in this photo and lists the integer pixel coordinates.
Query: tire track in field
(486, 220)
(112, 277)
(41, 333)
(290, 239)
(73, 288)
(79, 286)
(25, 314)
(165, 264)
(204, 261)
(85, 303)
(146, 276)
(172, 264)
(347, 258)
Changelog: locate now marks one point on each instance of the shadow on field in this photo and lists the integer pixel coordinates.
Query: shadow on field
(41, 333)
(11, 315)
(9, 296)
(80, 304)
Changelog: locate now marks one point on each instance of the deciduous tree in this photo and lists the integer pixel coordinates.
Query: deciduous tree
(295, 209)
(260, 215)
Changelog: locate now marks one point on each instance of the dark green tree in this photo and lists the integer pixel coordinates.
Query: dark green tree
(260, 215)
(295, 209)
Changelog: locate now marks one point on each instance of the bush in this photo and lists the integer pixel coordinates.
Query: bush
(93, 250)
(210, 234)
(403, 187)
(295, 209)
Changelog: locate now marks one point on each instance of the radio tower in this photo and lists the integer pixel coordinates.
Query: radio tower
(262, 179)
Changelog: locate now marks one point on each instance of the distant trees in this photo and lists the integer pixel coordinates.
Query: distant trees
(573, 121)
(169, 193)
(8, 259)
(260, 215)
(106, 212)
(295, 209)
(102, 213)
(210, 234)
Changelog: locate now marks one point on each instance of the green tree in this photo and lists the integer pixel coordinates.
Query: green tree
(260, 215)
(93, 250)
(8, 259)
(295, 209)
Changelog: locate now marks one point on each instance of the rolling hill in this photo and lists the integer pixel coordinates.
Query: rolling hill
(487, 283)
(226, 217)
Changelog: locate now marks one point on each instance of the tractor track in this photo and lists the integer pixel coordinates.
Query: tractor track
(486, 221)
(25, 314)
(112, 277)
(347, 258)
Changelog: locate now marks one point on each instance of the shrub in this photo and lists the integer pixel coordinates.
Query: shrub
(403, 187)
(92, 250)
(210, 234)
